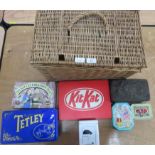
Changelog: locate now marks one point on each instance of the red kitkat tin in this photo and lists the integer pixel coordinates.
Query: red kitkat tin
(79, 100)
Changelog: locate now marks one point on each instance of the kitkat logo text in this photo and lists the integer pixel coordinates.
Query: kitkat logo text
(84, 99)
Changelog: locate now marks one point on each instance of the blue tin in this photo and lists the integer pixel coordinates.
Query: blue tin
(27, 126)
(122, 116)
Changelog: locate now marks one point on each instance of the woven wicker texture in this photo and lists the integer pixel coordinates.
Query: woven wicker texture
(113, 38)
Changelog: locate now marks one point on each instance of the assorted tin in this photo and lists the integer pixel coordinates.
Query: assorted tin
(34, 95)
(122, 116)
(27, 126)
(78, 100)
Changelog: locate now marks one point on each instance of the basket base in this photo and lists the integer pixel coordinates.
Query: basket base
(61, 73)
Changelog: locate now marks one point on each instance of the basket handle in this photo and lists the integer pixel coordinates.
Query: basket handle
(85, 15)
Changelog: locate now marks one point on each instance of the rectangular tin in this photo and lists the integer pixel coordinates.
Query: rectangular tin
(80, 100)
(34, 95)
(142, 111)
(27, 126)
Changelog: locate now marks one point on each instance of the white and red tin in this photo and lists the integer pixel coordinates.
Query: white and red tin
(80, 100)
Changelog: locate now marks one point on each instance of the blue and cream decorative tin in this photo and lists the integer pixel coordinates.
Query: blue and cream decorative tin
(122, 116)
(26, 126)
(34, 95)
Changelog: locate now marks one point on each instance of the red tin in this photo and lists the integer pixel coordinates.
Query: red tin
(80, 100)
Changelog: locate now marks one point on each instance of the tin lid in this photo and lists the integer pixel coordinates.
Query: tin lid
(142, 111)
(122, 116)
(27, 126)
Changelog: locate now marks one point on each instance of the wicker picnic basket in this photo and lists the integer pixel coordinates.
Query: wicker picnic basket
(71, 45)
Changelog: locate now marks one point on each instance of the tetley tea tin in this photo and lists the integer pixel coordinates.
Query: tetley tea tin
(26, 126)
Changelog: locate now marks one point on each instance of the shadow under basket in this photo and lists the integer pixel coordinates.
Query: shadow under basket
(76, 45)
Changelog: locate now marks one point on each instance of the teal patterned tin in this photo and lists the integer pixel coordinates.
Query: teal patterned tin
(122, 116)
